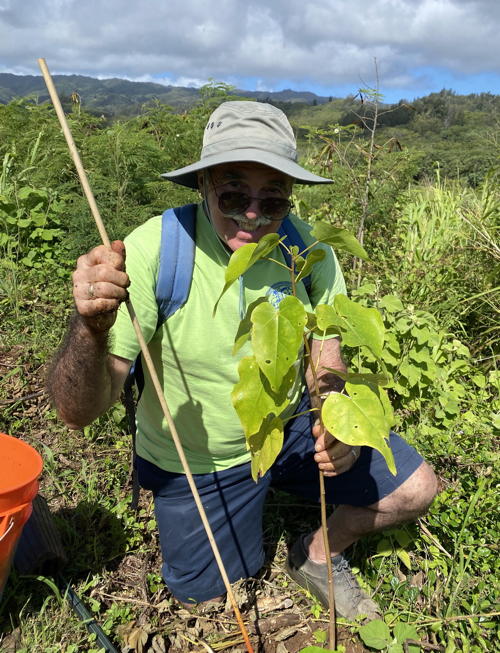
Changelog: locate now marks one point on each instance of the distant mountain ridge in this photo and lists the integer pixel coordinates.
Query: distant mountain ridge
(116, 96)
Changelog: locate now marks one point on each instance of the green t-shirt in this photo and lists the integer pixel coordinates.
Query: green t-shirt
(192, 350)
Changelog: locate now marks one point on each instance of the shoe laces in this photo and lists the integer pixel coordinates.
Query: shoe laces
(342, 568)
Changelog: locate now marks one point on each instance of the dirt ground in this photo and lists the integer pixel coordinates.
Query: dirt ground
(278, 619)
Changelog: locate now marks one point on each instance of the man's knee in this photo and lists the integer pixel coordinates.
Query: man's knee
(415, 495)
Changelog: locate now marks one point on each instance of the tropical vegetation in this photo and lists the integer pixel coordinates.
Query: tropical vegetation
(418, 184)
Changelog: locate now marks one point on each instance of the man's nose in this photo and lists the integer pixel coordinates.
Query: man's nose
(253, 209)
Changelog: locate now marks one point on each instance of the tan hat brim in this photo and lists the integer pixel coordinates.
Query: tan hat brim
(188, 176)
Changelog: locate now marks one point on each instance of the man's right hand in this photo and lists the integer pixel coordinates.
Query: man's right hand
(100, 284)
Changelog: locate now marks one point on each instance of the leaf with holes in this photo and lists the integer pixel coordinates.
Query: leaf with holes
(360, 418)
(277, 336)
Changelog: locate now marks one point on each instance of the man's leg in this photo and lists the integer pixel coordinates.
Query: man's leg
(368, 497)
(348, 523)
(233, 503)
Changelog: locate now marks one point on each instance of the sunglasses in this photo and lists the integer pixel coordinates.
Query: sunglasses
(232, 203)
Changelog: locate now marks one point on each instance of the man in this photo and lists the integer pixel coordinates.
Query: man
(245, 176)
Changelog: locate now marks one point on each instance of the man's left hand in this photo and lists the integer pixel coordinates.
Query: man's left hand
(333, 457)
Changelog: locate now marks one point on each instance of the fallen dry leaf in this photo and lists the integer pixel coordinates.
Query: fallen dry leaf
(271, 603)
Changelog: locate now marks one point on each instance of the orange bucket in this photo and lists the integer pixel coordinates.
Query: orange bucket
(20, 467)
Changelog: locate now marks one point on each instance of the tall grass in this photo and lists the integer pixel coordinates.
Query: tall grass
(448, 258)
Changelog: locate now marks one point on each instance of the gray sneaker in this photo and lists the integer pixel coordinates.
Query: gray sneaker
(350, 600)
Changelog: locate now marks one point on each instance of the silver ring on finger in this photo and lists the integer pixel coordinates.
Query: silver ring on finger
(91, 291)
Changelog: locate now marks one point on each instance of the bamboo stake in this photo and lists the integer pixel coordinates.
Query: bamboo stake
(144, 348)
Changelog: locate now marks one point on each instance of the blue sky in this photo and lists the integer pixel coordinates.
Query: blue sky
(325, 46)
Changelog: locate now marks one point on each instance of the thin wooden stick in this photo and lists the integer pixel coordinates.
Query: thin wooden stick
(144, 348)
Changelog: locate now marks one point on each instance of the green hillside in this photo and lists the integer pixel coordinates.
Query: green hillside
(120, 97)
(457, 133)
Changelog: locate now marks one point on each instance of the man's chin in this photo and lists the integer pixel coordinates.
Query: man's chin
(242, 237)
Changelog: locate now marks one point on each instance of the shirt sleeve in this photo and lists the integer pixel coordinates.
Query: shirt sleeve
(327, 278)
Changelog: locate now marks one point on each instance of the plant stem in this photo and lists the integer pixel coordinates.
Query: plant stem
(332, 624)
(365, 199)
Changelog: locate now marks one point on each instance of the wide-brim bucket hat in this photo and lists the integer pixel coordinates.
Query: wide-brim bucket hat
(247, 131)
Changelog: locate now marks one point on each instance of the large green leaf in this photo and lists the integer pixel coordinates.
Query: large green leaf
(391, 303)
(403, 631)
(363, 417)
(339, 239)
(376, 634)
(313, 257)
(328, 318)
(358, 326)
(361, 326)
(253, 398)
(244, 257)
(245, 326)
(277, 335)
(266, 445)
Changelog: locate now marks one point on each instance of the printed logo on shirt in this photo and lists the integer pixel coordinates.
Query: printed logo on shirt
(279, 291)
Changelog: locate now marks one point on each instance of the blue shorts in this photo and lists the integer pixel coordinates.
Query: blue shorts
(234, 506)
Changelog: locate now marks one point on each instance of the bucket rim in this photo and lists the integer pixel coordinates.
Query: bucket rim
(35, 457)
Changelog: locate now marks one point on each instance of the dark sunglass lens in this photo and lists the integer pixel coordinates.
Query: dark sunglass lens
(275, 207)
(233, 202)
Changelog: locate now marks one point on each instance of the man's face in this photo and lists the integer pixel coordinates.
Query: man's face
(257, 182)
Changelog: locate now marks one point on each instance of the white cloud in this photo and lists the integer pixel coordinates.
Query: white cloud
(328, 42)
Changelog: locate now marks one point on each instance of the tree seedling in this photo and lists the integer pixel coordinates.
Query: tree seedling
(279, 337)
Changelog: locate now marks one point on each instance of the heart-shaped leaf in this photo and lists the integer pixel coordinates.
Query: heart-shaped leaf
(339, 239)
(277, 335)
(360, 418)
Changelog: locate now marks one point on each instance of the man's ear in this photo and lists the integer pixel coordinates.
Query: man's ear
(201, 182)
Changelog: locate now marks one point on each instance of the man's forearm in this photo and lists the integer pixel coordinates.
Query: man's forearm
(79, 381)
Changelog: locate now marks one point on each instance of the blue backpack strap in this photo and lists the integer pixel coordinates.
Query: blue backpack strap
(175, 270)
(176, 260)
(288, 229)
